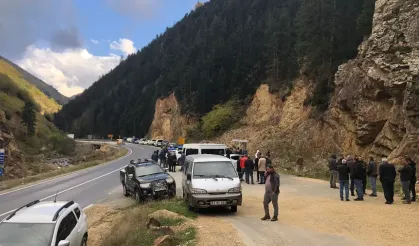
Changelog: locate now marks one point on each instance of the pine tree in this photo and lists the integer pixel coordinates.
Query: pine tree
(29, 118)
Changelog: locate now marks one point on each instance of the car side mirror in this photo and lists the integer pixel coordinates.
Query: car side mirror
(64, 243)
(188, 177)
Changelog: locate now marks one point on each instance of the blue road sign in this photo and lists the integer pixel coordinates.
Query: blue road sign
(1, 156)
(1, 172)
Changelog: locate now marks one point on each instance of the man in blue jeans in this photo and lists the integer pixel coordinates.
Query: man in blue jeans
(372, 172)
(344, 171)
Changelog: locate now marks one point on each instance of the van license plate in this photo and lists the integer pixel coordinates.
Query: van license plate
(218, 203)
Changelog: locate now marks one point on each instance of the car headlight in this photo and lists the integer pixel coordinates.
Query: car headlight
(235, 190)
(169, 180)
(145, 186)
(198, 191)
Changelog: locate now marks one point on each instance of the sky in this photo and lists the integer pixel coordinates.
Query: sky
(69, 44)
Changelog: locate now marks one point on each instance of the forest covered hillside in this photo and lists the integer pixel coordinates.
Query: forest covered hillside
(224, 50)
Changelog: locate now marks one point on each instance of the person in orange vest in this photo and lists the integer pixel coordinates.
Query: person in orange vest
(243, 159)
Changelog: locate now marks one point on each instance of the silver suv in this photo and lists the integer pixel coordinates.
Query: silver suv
(45, 223)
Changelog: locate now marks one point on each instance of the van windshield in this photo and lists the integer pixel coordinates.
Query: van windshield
(213, 151)
(214, 169)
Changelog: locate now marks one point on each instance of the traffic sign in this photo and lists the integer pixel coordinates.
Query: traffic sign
(1, 158)
(1, 172)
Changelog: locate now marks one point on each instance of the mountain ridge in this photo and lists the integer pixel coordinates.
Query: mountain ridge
(47, 89)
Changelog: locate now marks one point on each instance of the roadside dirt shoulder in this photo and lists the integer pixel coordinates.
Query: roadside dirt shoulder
(312, 212)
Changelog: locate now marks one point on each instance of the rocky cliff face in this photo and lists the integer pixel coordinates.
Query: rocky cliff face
(377, 94)
(374, 109)
(168, 123)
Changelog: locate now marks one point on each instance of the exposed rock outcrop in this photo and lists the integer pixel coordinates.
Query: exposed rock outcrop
(168, 122)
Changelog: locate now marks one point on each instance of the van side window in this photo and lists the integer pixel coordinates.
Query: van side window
(213, 151)
(191, 152)
(189, 168)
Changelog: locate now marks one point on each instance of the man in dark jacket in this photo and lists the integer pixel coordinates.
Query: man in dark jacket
(387, 173)
(249, 165)
(271, 192)
(172, 162)
(413, 180)
(256, 166)
(405, 177)
(155, 156)
(372, 172)
(351, 164)
(162, 157)
(344, 171)
(364, 179)
(333, 169)
(239, 170)
(358, 175)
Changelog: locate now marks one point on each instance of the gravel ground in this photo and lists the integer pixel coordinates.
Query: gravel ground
(312, 214)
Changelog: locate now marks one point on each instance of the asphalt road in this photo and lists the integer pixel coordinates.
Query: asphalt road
(85, 187)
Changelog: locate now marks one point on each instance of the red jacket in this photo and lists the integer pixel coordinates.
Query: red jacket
(242, 161)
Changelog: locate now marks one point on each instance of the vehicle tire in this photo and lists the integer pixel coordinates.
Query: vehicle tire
(84, 241)
(124, 190)
(233, 209)
(190, 208)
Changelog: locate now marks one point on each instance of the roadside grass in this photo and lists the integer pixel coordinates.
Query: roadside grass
(132, 227)
(8, 184)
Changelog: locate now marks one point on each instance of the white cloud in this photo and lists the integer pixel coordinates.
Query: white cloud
(124, 45)
(69, 71)
(94, 41)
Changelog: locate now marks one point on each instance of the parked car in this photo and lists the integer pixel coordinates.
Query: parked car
(54, 223)
(147, 180)
(211, 181)
(158, 143)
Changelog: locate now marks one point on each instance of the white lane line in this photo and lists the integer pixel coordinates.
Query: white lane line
(71, 188)
(87, 207)
(74, 173)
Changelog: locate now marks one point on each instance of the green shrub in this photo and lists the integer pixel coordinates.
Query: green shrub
(221, 118)
(63, 144)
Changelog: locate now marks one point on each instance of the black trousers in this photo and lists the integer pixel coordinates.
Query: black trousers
(257, 175)
(388, 187)
(249, 172)
(352, 187)
(413, 189)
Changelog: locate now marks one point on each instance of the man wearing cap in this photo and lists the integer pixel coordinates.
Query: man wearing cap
(272, 183)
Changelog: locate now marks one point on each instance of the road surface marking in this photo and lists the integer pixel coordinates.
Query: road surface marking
(71, 188)
(87, 207)
(77, 172)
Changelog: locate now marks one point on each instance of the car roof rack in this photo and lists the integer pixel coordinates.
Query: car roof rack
(57, 214)
(26, 206)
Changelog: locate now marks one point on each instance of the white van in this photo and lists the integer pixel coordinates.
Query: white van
(211, 181)
(196, 149)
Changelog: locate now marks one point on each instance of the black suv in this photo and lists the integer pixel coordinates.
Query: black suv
(147, 180)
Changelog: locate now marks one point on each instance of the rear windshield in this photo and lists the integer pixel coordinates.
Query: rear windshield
(213, 151)
(213, 169)
(30, 234)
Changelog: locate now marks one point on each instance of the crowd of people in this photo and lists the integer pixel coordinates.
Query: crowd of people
(166, 158)
(352, 174)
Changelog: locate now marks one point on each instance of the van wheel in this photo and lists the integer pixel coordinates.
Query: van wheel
(124, 190)
(84, 241)
(233, 209)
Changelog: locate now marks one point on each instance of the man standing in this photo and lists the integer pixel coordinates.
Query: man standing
(364, 179)
(405, 177)
(344, 171)
(262, 169)
(413, 180)
(358, 175)
(249, 166)
(243, 166)
(387, 173)
(351, 164)
(162, 157)
(182, 161)
(256, 162)
(271, 193)
(333, 169)
(372, 174)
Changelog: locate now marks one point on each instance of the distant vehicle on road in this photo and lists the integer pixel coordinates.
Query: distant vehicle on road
(45, 223)
(158, 143)
(151, 142)
(211, 181)
(198, 148)
(147, 180)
